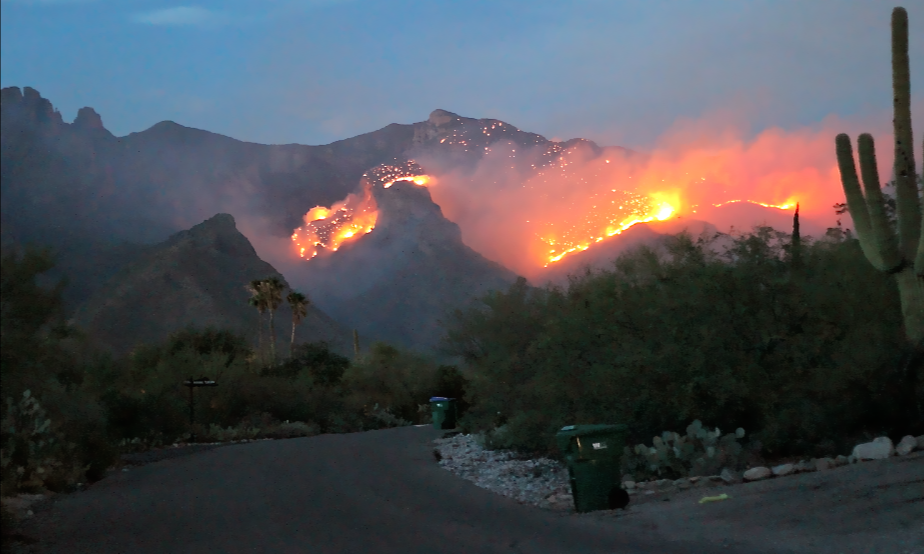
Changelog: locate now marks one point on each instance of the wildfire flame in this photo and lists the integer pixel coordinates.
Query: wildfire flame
(788, 205)
(326, 229)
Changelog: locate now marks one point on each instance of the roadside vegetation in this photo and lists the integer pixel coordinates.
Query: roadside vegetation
(70, 410)
(803, 350)
(798, 342)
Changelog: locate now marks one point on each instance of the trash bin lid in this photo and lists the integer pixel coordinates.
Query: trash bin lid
(581, 430)
(564, 436)
(440, 398)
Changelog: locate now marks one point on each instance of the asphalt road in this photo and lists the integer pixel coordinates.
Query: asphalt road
(373, 492)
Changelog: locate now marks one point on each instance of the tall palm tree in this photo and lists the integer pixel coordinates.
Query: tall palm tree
(299, 303)
(272, 289)
(258, 301)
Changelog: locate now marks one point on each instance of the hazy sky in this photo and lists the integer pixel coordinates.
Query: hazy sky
(311, 72)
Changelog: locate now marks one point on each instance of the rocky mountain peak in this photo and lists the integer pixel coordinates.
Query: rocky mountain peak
(29, 103)
(87, 118)
(218, 233)
(441, 117)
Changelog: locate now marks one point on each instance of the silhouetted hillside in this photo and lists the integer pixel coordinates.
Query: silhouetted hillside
(197, 277)
(398, 281)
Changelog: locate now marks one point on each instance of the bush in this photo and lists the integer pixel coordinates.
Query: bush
(53, 430)
(315, 361)
(397, 381)
(664, 337)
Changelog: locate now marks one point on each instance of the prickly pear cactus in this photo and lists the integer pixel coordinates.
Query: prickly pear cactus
(699, 452)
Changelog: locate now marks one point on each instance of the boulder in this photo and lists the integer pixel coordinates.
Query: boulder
(906, 445)
(822, 464)
(784, 469)
(920, 441)
(804, 466)
(880, 449)
(841, 460)
(757, 473)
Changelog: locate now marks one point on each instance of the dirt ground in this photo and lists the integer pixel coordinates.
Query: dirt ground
(868, 507)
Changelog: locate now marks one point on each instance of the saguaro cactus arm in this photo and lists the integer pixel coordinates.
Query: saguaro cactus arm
(919, 259)
(875, 236)
(906, 187)
(881, 231)
(900, 251)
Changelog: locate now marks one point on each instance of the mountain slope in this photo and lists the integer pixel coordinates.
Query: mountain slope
(195, 278)
(398, 281)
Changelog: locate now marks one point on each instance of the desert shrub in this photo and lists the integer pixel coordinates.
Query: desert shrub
(53, 431)
(257, 426)
(382, 417)
(39, 452)
(315, 361)
(737, 340)
(451, 383)
(395, 380)
(699, 452)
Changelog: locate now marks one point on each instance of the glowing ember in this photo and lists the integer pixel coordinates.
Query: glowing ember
(326, 229)
(790, 204)
(645, 211)
(387, 175)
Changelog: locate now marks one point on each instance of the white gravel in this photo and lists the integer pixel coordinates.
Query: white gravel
(541, 482)
(544, 482)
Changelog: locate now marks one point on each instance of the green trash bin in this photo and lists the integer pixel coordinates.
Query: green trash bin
(444, 412)
(593, 454)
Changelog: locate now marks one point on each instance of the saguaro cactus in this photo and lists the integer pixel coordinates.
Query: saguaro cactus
(899, 252)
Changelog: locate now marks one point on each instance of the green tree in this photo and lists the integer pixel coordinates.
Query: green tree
(272, 289)
(53, 428)
(733, 339)
(258, 300)
(299, 304)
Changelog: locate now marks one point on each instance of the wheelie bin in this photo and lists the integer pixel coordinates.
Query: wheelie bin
(593, 454)
(444, 412)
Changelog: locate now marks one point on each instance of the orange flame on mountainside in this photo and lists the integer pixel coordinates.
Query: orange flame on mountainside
(788, 205)
(528, 207)
(326, 229)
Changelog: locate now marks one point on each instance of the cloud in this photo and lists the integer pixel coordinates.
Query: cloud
(179, 16)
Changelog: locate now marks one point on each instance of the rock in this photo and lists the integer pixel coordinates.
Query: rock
(920, 441)
(629, 485)
(757, 473)
(781, 470)
(822, 464)
(851, 459)
(87, 118)
(841, 460)
(627, 477)
(728, 476)
(880, 449)
(906, 445)
(695, 479)
(804, 466)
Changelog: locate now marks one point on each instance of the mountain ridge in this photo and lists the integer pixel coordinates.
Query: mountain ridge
(197, 277)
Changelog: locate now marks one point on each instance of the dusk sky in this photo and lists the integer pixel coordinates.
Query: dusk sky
(311, 72)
